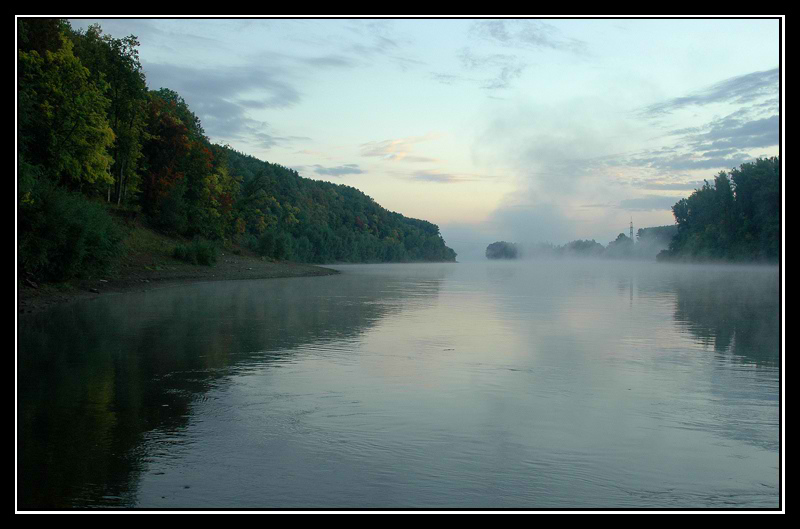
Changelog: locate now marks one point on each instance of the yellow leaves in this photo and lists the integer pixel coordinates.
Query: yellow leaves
(290, 213)
(66, 116)
(291, 219)
(97, 161)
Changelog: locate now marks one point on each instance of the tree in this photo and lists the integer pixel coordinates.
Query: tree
(164, 150)
(116, 62)
(502, 250)
(62, 117)
(621, 247)
(736, 217)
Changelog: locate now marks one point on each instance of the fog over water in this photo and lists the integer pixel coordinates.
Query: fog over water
(556, 197)
(488, 384)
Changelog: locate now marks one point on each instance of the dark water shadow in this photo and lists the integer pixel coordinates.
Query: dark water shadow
(95, 377)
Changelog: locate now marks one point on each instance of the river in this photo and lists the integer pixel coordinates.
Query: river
(473, 385)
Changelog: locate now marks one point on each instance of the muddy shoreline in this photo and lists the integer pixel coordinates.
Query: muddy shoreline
(33, 298)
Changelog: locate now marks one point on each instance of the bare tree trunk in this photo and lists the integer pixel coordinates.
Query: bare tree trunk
(120, 183)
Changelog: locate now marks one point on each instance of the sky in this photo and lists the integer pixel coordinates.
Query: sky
(525, 130)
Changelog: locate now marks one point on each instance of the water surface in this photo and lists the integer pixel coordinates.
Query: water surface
(523, 384)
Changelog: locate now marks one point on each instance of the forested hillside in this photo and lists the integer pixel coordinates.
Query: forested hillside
(93, 138)
(284, 215)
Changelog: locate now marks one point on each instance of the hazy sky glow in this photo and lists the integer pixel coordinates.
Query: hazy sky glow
(526, 130)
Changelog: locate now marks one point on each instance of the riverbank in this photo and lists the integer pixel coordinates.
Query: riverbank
(33, 298)
(147, 264)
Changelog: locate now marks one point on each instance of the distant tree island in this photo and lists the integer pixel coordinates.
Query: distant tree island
(621, 247)
(502, 250)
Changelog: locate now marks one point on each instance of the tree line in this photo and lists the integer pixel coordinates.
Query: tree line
(647, 244)
(91, 136)
(737, 217)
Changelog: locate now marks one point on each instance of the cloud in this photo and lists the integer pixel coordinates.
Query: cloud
(341, 170)
(555, 151)
(720, 143)
(532, 222)
(378, 38)
(500, 70)
(530, 34)
(649, 203)
(572, 154)
(317, 155)
(743, 89)
(266, 141)
(145, 29)
(671, 186)
(223, 98)
(330, 61)
(605, 205)
(732, 133)
(503, 68)
(396, 150)
(437, 177)
(448, 79)
(227, 84)
(690, 162)
(719, 153)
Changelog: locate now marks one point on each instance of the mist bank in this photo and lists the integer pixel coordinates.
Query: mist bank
(646, 245)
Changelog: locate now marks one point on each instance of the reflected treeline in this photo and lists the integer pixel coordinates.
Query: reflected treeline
(736, 311)
(95, 377)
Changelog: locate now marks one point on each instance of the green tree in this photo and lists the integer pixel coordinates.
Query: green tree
(62, 118)
(735, 217)
(116, 62)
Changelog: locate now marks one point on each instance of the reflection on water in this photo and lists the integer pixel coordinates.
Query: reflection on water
(470, 385)
(733, 313)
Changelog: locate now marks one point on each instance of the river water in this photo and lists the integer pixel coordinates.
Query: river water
(490, 385)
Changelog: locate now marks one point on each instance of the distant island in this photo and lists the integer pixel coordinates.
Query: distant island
(502, 250)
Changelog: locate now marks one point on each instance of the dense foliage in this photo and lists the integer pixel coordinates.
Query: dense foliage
(64, 139)
(283, 215)
(197, 252)
(619, 248)
(735, 217)
(502, 250)
(657, 235)
(89, 131)
(63, 235)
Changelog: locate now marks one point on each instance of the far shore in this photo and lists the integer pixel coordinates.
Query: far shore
(34, 298)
